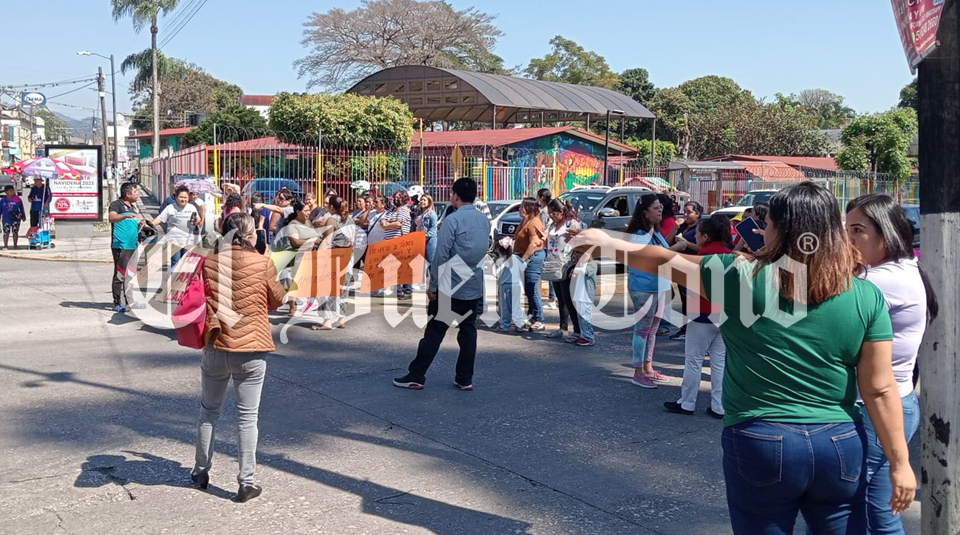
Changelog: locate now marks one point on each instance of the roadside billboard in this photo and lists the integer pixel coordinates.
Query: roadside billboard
(77, 198)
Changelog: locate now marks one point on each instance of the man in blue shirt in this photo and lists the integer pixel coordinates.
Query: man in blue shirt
(39, 197)
(125, 237)
(456, 285)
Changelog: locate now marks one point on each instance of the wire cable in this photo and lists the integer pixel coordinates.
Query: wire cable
(183, 24)
(72, 90)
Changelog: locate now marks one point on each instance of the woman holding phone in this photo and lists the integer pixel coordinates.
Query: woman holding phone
(794, 439)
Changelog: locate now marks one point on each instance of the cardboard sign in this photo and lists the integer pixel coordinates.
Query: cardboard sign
(396, 261)
(321, 273)
(185, 270)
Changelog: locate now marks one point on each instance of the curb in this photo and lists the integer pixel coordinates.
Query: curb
(55, 258)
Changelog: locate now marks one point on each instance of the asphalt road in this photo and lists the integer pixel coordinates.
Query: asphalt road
(99, 410)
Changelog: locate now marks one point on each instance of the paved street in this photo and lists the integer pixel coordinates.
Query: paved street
(99, 412)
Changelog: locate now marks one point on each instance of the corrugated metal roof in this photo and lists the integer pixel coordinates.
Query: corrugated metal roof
(166, 132)
(447, 94)
(256, 100)
(705, 165)
(814, 162)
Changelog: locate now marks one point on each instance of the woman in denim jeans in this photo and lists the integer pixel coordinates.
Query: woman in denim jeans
(880, 230)
(529, 246)
(802, 333)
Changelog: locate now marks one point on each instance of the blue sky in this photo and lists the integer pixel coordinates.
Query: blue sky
(849, 47)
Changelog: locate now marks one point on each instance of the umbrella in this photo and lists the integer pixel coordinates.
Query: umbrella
(200, 185)
(47, 168)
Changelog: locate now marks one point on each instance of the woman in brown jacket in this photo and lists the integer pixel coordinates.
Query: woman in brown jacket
(239, 284)
(529, 245)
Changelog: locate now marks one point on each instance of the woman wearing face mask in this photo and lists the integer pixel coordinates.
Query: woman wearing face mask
(880, 230)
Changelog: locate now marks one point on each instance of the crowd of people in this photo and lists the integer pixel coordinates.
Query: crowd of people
(813, 425)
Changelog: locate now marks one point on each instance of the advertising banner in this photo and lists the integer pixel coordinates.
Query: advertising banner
(77, 197)
(918, 21)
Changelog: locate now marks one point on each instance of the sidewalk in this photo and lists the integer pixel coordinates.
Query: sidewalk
(96, 249)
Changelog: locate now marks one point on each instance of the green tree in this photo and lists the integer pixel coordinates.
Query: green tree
(234, 123)
(636, 84)
(571, 63)
(54, 129)
(826, 108)
(349, 45)
(141, 12)
(879, 143)
(187, 89)
(673, 108)
(709, 93)
(666, 150)
(141, 65)
(344, 119)
(908, 95)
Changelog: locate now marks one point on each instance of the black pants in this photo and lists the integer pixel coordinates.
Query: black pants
(34, 218)
(437, 329)
(565, 302)
(121, 259)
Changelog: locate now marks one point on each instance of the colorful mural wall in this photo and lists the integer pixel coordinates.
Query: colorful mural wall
(578, 162)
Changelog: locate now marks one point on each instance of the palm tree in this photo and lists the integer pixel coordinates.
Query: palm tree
(141, 64)
(141, 12)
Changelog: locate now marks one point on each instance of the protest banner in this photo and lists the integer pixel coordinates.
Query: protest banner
(180, 276)
(393, 262)
(321, 273)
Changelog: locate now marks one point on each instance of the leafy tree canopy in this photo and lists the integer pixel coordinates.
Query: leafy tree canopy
(908, 95)
(344, 119)
(826, 108)
(571, 63)
(54, 129)
(234, 123)
(346, 46)
(879, 142)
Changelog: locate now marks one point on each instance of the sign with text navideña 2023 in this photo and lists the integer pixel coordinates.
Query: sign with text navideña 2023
(77, 198)
(406, 266)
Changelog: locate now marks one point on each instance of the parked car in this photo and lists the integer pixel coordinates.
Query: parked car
(913, 214)
(598, 206)
(268, 187)
(747, 201)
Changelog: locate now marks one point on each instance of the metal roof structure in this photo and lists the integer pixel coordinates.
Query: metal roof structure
(449, 95)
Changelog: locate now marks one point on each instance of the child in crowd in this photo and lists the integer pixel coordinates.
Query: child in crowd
(508, 269)
(11, 214)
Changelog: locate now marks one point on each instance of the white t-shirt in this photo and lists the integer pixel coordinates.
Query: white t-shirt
(179, 221)
(906, 299)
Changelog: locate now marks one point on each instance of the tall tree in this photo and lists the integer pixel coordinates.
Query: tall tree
(571, 63)
(187, 89)
(636, 84)
(141, 65)
(908, 95)
(349, 45)
(825, 107)
(673, 109)
(141, 12)
(880, 142)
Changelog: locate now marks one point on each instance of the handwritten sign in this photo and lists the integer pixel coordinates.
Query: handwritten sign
(321, 273)
(185, 270)
(396, 261)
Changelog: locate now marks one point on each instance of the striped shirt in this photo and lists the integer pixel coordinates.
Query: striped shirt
(402, 215)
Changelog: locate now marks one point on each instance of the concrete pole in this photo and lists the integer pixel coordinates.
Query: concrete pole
(939, 113)
(116, 127)
(106, 140)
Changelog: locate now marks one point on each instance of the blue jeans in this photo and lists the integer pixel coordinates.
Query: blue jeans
(531, 285)
(176, 257)
(880, 520)
(645, 328)
(775, 470)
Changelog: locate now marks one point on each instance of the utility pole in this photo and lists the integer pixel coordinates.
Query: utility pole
(103, 118)
(938, 94)
(116, 126)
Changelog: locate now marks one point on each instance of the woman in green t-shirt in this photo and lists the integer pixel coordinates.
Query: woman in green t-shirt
(802, 332)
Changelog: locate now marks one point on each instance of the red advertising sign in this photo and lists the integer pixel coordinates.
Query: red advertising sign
(917, 21)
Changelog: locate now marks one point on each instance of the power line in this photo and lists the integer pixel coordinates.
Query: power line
(49, 84)
(179, 16)
(73, 90)
(183, 24)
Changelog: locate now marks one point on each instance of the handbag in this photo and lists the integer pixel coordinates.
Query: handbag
(189, 318)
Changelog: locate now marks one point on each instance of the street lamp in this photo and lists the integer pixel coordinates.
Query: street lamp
(113, 91)
(606, 145)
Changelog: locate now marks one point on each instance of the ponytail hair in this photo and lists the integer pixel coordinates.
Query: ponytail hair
(297, 206)
(236, 228)
(569, 212)
(341, 206)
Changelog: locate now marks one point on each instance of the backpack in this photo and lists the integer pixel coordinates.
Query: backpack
(189, 318)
